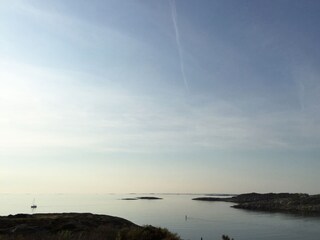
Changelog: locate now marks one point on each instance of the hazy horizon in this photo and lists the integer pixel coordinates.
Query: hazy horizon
(159, 96)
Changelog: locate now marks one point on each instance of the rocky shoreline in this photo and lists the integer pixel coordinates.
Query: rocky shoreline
(76, 226)
(273, 202)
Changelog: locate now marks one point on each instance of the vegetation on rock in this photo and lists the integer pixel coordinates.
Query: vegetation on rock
(77, 226)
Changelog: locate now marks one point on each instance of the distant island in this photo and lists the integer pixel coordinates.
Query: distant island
(273, 202)
(77, 226)
(143, 198)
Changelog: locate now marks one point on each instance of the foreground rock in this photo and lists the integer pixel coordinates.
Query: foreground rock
(274, 202)
(76, 226)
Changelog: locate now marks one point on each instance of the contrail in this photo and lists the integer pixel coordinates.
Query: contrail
(176, 29)
(301, 95)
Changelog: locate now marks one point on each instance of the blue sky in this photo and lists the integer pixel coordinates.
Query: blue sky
(159, 96)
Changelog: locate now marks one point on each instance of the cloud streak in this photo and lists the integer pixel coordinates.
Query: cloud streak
(177, 35)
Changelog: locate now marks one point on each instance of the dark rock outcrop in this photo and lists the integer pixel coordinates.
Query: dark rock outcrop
(283, 202)
(209, 199)
(53, 223)
(76, 226)
(142, 198)
(149, 198)
(274, 202)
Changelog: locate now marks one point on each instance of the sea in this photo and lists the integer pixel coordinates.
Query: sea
(177, 212)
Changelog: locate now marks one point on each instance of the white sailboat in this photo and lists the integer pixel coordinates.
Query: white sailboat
(33, 206)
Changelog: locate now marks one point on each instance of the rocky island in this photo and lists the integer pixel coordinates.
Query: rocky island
(149, 198)
(77, 226)
(273, 202)
(142, 198)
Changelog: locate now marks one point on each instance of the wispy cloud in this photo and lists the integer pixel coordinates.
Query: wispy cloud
(307, 84)
(77, 30)
(44, 108)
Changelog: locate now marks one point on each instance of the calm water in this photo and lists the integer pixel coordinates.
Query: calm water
(205, 219)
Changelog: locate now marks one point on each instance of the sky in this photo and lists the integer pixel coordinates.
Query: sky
(170, 96)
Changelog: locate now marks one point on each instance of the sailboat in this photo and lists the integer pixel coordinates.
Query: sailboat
(33, 206)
